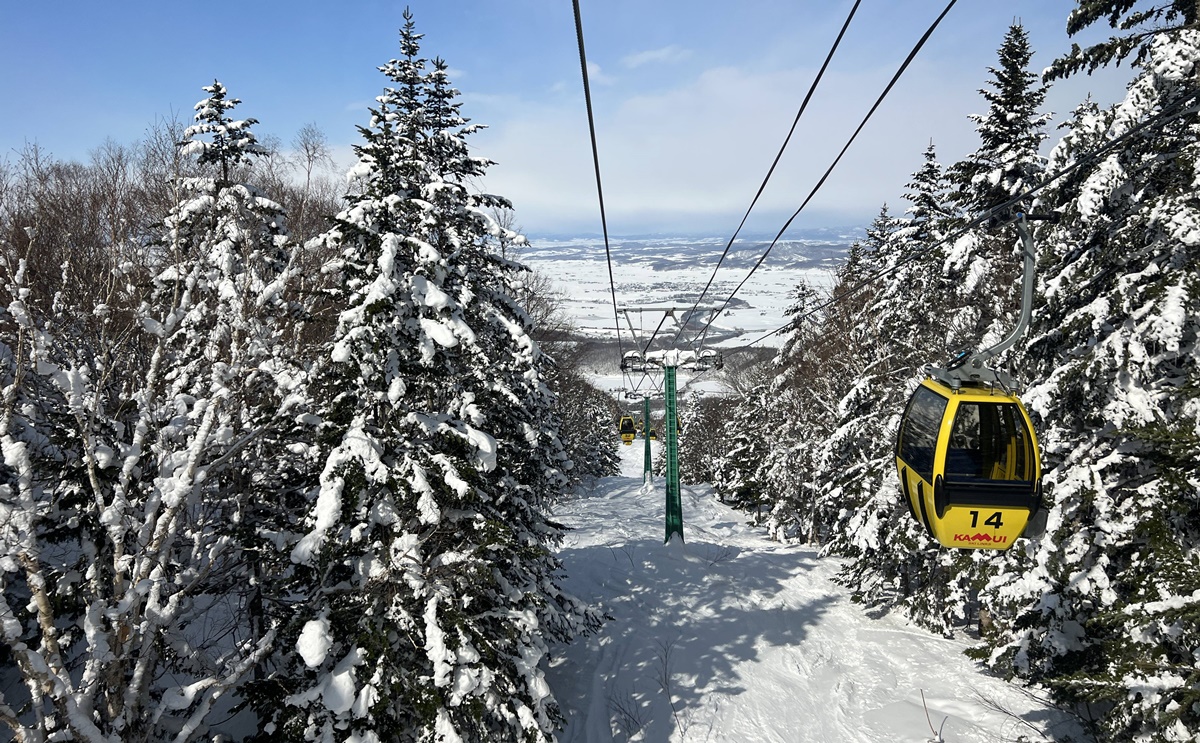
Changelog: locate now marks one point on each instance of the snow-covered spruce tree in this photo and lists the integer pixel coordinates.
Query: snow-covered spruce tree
(771, 463)
(743, 433)
(913, 305)
(702, 440)
(492, 254)
(766, 467)
(424, 593)
(855, 466)
(585, 424)
(121, 601)
(790, 417)
(737, 473)
(1010, 133)
(1106, 607)
(985, 266)
(845, 474)
(894, 562)
(585, 413)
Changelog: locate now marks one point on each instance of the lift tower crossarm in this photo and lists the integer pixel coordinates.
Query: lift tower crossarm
(668, 311)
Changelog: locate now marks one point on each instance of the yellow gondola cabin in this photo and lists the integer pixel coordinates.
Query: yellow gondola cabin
(966, 452)
(968, 464)
(627, 429)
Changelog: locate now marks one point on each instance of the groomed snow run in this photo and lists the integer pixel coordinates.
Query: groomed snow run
(733, 637)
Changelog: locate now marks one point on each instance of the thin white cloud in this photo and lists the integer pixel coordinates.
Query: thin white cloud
(668, 54)
(696, 153)
(597, 76)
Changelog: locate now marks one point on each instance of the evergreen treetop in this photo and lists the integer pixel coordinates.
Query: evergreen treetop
(1140, 26)
(231, 142)
(1011, 133)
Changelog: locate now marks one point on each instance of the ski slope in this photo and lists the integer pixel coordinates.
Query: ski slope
(733, 637)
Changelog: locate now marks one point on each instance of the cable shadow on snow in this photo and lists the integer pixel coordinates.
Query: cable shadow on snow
(684, 620)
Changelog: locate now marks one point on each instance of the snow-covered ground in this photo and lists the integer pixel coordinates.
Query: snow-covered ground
(732, 637)
(760, 305)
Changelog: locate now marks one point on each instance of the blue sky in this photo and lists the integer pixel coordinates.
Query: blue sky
(692, 97)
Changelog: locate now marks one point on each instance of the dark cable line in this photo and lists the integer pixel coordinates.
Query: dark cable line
(779, 155)
(895, 78)
(652, 335)
(587, 97)
(1179, 108)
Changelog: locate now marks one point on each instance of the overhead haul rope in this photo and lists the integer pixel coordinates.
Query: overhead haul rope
(587, 97)
(895, 78)
(1186, 104)
(812, 89)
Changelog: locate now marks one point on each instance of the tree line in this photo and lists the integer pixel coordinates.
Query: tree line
(279, 448)
(1103, 609)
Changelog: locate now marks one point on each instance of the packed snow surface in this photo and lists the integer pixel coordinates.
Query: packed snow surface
(732, 637)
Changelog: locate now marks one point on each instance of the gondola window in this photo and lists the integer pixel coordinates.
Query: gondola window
(919, 431)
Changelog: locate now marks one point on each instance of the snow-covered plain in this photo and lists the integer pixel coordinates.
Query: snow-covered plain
(671, 272)
(732, 637)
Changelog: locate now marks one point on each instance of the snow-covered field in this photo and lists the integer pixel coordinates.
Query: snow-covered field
(673, 272)
(732, 637)
(589, 301)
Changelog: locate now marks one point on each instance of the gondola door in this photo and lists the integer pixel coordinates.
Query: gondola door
(916, 450)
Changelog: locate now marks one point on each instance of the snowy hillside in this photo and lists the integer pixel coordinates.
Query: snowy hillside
(732, 637)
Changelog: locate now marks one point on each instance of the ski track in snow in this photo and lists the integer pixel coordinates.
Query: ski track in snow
(753, 639)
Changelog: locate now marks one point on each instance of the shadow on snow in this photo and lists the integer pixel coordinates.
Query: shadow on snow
(685, 618)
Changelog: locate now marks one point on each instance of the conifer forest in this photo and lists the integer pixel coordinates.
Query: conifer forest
(281, 448)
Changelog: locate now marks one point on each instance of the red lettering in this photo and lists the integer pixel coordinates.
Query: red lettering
(980, 537)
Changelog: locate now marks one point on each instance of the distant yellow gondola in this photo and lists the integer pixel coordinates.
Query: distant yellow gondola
(627, 429)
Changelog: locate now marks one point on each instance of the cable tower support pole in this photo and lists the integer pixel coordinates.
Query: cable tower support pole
(646, 437)
(674, 505)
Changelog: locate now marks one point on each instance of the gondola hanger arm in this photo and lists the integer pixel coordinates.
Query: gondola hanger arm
(972, 368)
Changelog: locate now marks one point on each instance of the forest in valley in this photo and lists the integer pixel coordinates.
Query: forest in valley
(280, 449)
